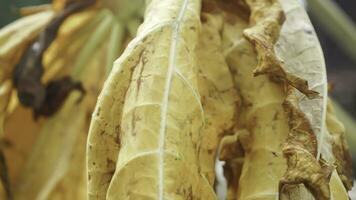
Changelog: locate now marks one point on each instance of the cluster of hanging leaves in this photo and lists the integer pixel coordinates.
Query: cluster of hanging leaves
(200, 83)
(250, 74)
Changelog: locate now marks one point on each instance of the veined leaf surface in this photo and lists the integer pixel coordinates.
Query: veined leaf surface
(299, 48)
(145, 134)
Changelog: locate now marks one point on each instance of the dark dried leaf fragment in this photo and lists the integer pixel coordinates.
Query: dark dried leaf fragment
(300, 150)
(28, 73)
(267, 18)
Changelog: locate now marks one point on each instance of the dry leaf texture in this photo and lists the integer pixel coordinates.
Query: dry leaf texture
(146, 131)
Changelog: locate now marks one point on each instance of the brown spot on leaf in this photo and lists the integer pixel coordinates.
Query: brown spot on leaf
(110, 164)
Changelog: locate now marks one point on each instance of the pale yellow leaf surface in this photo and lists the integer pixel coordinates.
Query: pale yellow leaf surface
(261, 115)
(337, 189)
(264, 164)
(145, 134)
(48, 160)
(125, 10)
(5, 95)
(217, 91)
(73, 183)
(18, 150)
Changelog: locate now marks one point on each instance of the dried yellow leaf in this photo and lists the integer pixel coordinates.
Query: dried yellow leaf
(53, 147)
(217, 91)
(146, 131)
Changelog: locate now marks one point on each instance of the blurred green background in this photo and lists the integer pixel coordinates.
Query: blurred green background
(9, 9)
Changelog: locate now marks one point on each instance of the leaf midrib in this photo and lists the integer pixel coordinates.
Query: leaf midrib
(165, 101)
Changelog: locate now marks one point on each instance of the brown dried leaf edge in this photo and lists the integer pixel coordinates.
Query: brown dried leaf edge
(301, 146)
